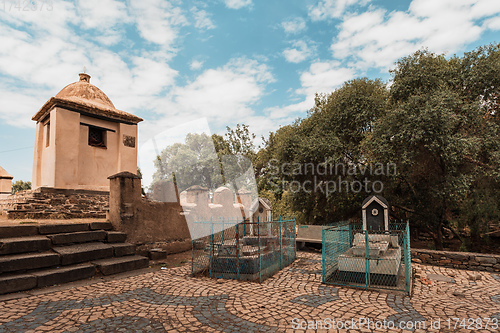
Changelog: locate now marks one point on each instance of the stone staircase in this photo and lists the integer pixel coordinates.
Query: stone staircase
(34, 256)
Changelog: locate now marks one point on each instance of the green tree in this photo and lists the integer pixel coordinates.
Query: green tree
(438, 134)
(331, 134)
(209, 161)
(21, 186)
(193, 162)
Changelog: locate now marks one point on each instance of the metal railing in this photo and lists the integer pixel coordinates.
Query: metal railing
(242, 250)
(370, 259)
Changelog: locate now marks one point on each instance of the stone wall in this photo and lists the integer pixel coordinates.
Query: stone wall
(149, 224)
(463, 260)
(50, 203)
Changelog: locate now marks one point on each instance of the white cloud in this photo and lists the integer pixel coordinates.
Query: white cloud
(237, 4)
(17, 108)
(106, 19)
(378, 38)
(492, 23)
(299, 51)
(202, 19)
(326, 9)
(158, 21)
(196, 65)
(322, 77)
(227, 91)
(44, 22)
(224, 95)
(294, 25)
(102, 14)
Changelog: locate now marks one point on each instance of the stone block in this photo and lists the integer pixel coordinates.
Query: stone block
(16, 282)
(486, 260)
(18, 230)
(157, 254)
(24, 244)
(123, 249)
(101, 225)
(27, 261)
(122, 264)
(78, 237)
(116, 237)
(73, 254)
(64, 274)
(45, 229)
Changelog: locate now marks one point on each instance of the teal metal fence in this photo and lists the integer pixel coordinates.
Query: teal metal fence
(242, 250)
(370, 259)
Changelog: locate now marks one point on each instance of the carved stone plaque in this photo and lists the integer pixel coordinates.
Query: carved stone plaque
(129, 141)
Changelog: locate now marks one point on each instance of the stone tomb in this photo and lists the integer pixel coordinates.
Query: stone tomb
(245, 254)
(374, 249)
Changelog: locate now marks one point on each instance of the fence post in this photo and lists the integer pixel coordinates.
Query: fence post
(223, 230)
(294, 232)
(350, 235)
(237, 251)
(367, 261)
(192, 250)
(281, 244)
(260, 255)
(211, 245)
(323, 255)
(407, 255)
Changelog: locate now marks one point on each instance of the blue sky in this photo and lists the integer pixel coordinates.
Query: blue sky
(223, 61)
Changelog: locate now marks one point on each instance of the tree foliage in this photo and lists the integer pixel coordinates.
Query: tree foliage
(21, 185)
(208, 161)
(438, 122)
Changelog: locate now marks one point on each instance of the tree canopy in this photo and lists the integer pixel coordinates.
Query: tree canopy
(437, 122)
(429, 140)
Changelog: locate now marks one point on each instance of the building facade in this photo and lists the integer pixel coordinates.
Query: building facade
(81, 139)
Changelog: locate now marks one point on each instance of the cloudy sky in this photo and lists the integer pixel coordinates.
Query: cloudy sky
(224, 61)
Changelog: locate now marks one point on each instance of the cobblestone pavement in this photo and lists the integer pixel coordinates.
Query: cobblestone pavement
(172, 301)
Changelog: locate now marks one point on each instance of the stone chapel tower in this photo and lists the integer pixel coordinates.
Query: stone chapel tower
(82, 139)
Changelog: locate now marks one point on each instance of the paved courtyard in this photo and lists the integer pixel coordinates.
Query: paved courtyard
(172, 301)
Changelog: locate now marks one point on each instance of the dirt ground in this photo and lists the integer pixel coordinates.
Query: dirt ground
(172, 260)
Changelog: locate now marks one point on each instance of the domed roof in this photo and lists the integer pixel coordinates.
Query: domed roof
(83, 97)
(84, 92)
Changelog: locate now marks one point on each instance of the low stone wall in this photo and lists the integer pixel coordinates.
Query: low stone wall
(148, 224)
(463, 260)
(50, 203)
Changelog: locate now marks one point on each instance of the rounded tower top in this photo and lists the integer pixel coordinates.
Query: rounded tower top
(82, 96)
(84, 92)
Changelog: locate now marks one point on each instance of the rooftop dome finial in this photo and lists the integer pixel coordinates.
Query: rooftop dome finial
(84, 77)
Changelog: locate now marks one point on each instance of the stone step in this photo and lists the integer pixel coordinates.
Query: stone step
(46, 229)
(50, 277)
(7, 231)
(16, 282)
(24, 244)
(122, 264)
(26, 261)
(123, 249)
(78, 237)
(74, 254)
(101, 226)
(116, 237)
